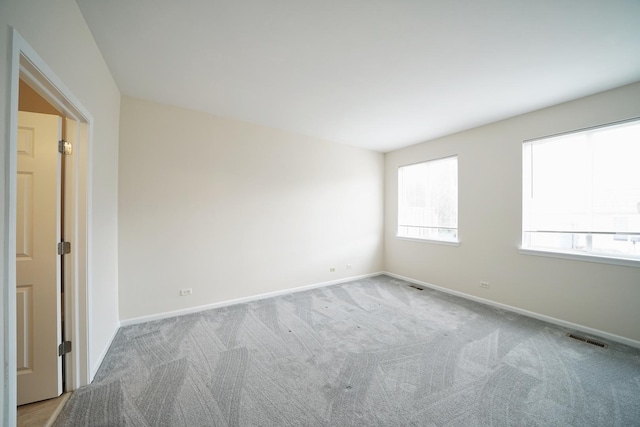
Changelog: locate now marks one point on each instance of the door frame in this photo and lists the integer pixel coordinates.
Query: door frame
(28, 65)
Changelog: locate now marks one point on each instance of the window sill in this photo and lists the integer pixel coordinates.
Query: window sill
(436, 242)
(602, 259)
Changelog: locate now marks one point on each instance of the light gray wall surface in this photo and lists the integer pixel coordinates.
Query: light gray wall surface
(233, 210)
(599, 296)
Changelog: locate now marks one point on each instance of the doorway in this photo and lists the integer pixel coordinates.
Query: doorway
(28, 66)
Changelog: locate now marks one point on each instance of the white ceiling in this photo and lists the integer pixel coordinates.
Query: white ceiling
(379, 74)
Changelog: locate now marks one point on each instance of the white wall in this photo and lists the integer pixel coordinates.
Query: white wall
(232, 209)
(599, 296)
(58, 33)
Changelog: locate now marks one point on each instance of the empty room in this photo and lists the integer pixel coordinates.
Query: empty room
(312, 213)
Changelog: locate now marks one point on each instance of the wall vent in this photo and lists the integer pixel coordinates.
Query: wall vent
(416, 287)
(587, 340)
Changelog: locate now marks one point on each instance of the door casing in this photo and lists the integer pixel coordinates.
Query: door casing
(27, 65)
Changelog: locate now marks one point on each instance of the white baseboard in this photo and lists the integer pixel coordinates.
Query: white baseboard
(182, 312)
(96, 366)
(549, 319)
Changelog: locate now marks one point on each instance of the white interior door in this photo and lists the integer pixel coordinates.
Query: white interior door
(37, 263)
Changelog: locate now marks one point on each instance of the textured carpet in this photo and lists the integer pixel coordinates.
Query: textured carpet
(373, 352)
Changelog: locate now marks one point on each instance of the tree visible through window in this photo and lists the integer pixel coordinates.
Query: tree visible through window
(428, 200)
(581, 192)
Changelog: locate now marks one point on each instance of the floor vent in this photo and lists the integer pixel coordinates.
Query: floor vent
(416, 287)
(588, 340)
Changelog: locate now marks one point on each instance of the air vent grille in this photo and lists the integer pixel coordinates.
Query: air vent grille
(587, 340)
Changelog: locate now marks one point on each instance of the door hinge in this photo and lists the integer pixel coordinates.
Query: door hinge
(65, 147)
(64, 248)
(64, 348)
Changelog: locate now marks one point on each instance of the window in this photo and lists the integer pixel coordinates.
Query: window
(428, 200)
(581, 192)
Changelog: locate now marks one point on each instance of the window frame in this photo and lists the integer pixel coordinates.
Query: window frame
(431, 240)
(597, 257)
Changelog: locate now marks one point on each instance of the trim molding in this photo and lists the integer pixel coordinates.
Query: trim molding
(548, 319)
(24, 62)
(182, 312)
(602, 259)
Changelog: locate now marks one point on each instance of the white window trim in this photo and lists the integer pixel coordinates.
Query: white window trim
(433, 241)
(571, 255)
(437, 242)
(601, 259)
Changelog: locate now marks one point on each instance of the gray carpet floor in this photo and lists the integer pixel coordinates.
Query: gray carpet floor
(373, 352)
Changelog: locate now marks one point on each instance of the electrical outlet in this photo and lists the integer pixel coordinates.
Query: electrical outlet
(484, 285)
(349, 266)
(185, 292)
(332, 269)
